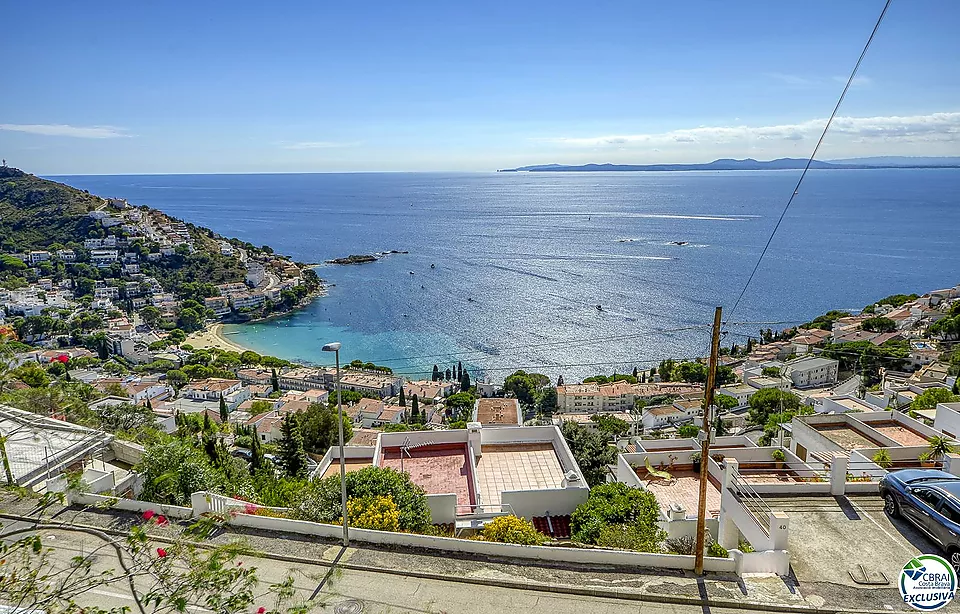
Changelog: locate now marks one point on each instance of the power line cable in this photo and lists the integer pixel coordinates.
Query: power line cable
(558, 366)
(806, 167)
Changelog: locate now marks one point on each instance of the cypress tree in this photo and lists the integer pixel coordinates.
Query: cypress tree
(635, 374)
(436, 373)
(560, 381)
(653, 371)
(150, 405)
(274, 380)
(459, 370)
(290, 452)
(956, 386)
(465, 381)
(749, 347)
(447, 374)
(256, 454)
(224, 414)
(415, 410)
(207, 425)
(403, 398)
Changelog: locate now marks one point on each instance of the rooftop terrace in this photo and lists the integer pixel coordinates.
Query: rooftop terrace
(899, 433)
(523, 466)
(846, 437)
(438, 468)
(683, 489)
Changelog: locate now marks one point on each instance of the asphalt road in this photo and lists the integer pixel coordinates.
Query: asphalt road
(353, 592)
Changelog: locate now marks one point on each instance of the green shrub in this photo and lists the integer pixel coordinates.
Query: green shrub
(319, 500)
(628, 537)
(617, 504)
(512, 530)
(715, 549)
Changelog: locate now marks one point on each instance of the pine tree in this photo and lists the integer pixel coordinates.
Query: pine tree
(223, 410)
(403, 398)
(415, 410)
(436, 373)
(274, 380)
(290, 452)
(956, 386)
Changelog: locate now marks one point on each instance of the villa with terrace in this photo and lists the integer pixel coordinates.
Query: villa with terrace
(475, 474)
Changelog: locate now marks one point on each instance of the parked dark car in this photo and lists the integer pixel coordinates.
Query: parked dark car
(930, 500)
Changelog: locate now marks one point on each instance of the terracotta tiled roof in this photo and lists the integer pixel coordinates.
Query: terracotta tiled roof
(557, 527)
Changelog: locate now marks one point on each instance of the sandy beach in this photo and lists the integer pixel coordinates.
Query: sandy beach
(213, 337)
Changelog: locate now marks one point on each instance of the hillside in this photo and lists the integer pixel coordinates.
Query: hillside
(35, 213)
(39, 214)
(725, 164)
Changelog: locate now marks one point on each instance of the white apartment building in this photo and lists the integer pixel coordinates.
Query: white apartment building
(248, 301)
(812, 371)
(255, 274)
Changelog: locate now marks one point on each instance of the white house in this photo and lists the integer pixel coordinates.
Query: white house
(210, 389)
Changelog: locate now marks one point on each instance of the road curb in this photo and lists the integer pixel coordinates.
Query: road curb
(608, 593)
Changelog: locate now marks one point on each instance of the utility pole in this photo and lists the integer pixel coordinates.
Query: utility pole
(705, 443)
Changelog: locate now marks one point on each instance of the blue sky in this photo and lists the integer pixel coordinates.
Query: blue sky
(127, 87)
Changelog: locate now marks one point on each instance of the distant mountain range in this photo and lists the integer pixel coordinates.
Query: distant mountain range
(749, 164)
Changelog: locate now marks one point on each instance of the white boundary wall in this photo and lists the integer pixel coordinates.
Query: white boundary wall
(129, 505)
(578, 556)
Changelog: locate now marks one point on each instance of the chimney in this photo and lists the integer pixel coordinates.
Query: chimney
(473, 437)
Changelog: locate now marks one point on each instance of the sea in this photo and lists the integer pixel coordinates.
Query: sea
(569, 274)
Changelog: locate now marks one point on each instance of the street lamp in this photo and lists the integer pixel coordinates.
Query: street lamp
(335, 348)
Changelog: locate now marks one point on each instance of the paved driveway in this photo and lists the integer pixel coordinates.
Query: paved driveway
(830, 537)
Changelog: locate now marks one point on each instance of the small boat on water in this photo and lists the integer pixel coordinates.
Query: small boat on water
(412, 273)
(678, 242)
(433, 266)
(599, 307)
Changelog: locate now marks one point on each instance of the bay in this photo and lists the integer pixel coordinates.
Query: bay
(506, 270)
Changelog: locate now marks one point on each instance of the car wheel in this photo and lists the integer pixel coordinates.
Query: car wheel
(890, 505)
(953, 555)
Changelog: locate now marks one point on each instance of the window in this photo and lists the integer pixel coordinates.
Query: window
(950, 513)
(928, 496)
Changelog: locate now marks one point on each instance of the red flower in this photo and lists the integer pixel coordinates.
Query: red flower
(161, 552)
(161, 520)
(147, 515)
(261, 610)
(250, 508)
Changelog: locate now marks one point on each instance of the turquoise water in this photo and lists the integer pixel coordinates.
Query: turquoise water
(521, 261)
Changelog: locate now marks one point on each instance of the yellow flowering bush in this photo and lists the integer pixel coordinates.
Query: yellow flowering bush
(379, 513)
(512, 530)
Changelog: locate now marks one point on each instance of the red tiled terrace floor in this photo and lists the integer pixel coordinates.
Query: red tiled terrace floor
(899, 433)
(684, 489)
(438, 469)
